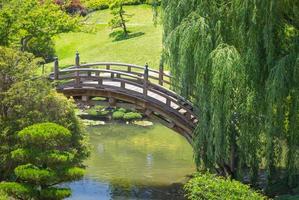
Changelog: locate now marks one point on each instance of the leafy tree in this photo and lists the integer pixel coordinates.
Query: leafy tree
(119, 19)
(27, 101)
(45, 158)
(33, 23)
(237, 61)
(15, 66)
(210, 187)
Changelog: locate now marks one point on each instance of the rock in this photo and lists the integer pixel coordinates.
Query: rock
(92, 122)
(143, 123)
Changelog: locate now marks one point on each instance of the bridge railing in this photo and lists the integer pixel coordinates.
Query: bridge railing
(144, 79)
(158, 76)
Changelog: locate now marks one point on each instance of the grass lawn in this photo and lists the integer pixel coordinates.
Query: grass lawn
(94, 43)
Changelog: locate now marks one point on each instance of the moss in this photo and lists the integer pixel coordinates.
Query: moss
(132, 116)
(97, 111)
(117, 115)
(122, 110)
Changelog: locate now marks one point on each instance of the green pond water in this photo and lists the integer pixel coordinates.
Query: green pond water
(132, 162)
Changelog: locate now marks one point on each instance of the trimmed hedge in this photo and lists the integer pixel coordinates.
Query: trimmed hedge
(211, 187)
(104, 4)
(132, 116)
(118, 115)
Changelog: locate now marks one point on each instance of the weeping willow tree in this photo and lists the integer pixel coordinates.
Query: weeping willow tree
(238, 62)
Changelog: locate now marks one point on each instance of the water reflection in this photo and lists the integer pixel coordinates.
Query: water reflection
(129, 162)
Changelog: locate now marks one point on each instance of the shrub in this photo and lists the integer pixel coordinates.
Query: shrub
(211, 187)
(118, 115)
(98, 107)
(3, 196)
(44, 159)
(97, 111)
(92, 112)
(122, 110)
(103, 113)
(96, 4)
(92, 5)
(132, 116)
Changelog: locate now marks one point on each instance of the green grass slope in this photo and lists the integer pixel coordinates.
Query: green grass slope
(94, 43)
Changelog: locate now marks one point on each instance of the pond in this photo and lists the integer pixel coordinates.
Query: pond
(132, 162)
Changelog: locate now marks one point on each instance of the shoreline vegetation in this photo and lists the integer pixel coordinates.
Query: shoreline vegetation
(95, 115)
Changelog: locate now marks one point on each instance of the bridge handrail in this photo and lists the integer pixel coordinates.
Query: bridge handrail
(169, 92)
(120, 65)
(142, 76)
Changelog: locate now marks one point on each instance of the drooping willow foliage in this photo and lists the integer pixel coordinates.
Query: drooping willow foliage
(238, 61)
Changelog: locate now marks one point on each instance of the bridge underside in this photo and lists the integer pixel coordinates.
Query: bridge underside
(150, 108)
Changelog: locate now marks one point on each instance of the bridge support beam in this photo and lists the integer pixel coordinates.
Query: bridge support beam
(112, 101)
(85, 98)
(56, 69)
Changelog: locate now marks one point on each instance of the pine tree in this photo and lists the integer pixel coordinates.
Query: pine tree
(45, 159)
(120, 18)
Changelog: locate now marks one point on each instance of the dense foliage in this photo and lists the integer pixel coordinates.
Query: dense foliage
(210, 187)
(44, 158)
(104, 4)
(25, 101)
(238, 61)
(132, 116)
(30, 25)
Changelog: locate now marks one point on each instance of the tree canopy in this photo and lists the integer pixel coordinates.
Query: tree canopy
(27, 101)
(44, 158)
(238, 62)
(30, 25)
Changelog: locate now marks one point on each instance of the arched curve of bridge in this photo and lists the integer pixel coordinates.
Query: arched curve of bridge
(146, 89)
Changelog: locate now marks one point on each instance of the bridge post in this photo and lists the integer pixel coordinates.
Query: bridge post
(56, 68)
(77, 65)
(161, 73)
(145, 84)
(77, 59)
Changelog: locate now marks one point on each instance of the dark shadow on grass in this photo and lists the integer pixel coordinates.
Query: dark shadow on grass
(119, 35)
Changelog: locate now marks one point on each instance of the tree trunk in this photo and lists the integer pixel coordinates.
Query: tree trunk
(123, 22)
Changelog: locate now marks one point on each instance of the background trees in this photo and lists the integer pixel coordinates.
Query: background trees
(237, 61)
(31, 25)
(44, 158)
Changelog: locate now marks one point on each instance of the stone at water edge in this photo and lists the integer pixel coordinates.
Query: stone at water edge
(143, 123)
(92, 122)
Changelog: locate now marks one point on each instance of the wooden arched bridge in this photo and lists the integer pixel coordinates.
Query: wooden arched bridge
(145, 88)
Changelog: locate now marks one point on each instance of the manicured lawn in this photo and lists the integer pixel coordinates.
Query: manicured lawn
(94, 43)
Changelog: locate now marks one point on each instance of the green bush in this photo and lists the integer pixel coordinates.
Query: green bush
(98, 107)
(92, 112)
(103, 113)
(93, 5)
(132, 116)
(211, 187)
(41, 148)
(122, 110)
(96, 4)
(97, 111)
(118, 115)
(3, 196)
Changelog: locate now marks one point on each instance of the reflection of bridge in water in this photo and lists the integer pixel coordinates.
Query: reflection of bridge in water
(146, 89)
